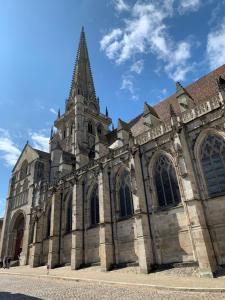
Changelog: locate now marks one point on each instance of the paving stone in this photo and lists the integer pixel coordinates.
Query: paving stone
(15, 287)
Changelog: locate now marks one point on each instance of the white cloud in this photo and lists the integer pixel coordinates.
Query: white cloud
(145, 31)
(121, 5)
(164, 91)
(9, 151)
(52, 110)
(128, 84)
(189, 5)
(40, 141)
(216, 46)
(138, 66)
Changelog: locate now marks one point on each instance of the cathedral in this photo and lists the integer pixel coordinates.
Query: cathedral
(149, 193)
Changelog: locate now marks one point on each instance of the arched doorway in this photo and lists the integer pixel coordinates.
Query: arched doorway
(18, 231)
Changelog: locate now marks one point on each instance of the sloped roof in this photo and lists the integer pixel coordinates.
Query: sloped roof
(199, 90)
(42, 154)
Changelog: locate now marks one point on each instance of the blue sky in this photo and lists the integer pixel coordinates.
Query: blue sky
(138, 49)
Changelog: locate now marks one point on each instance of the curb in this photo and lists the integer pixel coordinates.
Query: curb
(109, 282)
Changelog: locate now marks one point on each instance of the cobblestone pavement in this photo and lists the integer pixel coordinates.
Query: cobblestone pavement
(19, 287)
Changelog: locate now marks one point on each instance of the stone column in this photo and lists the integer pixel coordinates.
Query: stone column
(107, 247)
(53, 255)
(141, 214)
(4, 241)
(202, 242)
(5, 231)
(37, 243)
(24, 253)
(77, 250)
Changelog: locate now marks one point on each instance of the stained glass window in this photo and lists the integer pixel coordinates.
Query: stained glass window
(125, 196)
(212, 157)
(48, 231)
(94, 207)
(166, 182)
(69, 215)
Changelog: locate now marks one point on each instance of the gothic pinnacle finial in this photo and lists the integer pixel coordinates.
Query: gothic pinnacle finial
(59, 113)
(178, 86)
(106, 112)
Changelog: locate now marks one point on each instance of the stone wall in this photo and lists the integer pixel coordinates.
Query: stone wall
(66, 246)
(215, 215)
(171, 236)
(92, 241)
(125, 235)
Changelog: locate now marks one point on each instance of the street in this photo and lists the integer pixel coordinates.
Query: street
(19, 287)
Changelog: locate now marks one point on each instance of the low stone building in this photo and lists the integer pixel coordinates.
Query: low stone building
(150, 192)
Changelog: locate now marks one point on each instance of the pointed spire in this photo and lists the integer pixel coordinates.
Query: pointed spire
(178, 86)
(106, 112)
(59, 113)
(82, 82)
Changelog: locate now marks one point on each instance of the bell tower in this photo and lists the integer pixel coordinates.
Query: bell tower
(82, 121)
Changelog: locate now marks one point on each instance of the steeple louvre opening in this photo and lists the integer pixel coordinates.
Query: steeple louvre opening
(82, 81)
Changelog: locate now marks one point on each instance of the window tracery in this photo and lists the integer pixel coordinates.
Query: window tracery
(69, 215)
(24, 169)
(212, 157)
(48, 229)
(90, 128)
(167, 188)
(95, 207)
(125, 196)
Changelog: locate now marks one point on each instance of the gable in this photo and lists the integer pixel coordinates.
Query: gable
(28, 154)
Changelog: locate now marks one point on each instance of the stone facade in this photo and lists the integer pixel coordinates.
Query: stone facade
(151, 192)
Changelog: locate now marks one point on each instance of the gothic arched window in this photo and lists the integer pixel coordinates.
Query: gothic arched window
(125, 196)
(18, 188)
(71, 128)
(167, 188)
(48, 229)
(99, 129)
(95, 207)
(212, 157)
(25, 185)
(24, 169)
(90, 128)
(39, 166)
(69, 215)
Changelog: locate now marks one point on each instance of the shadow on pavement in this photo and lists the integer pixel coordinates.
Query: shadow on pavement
(8, 295)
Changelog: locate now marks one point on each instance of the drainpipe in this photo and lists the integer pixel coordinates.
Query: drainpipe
(111, 217)
(146, 202)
